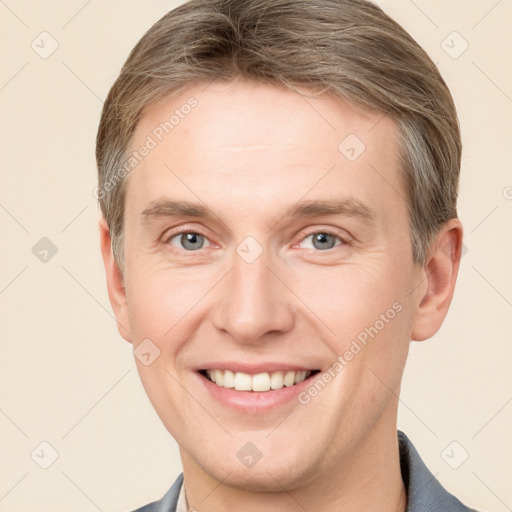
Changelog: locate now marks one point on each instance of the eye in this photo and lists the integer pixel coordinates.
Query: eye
(188, 240)
(322, 240)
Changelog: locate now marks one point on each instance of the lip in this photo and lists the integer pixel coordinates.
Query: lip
(256, 402)
(253, 369)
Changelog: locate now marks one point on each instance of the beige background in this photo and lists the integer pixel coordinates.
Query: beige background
(68, 378)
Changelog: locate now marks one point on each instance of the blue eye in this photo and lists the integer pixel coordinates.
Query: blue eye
(188, 240)
(191, 241)
(323, 240)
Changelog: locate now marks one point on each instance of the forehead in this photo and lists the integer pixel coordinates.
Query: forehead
(258, 145)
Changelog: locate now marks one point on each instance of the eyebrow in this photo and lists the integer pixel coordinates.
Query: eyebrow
(311, 208)
(169, 208)
(346, 206)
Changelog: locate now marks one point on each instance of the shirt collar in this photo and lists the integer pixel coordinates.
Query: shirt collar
(424, 492)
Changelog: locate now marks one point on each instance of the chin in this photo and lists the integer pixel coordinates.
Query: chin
(264, 476)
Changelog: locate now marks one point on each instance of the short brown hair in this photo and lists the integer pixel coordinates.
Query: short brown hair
(349, 48)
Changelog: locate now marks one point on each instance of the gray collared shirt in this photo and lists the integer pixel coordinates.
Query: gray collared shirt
(424, 492)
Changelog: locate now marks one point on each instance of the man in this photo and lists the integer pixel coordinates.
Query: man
(278, 185)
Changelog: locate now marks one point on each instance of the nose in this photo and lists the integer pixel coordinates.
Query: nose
(253, 304)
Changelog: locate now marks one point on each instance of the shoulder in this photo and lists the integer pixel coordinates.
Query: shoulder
(169, 500)
(424, 492)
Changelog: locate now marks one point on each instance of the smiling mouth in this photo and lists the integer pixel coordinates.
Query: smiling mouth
(259, 382)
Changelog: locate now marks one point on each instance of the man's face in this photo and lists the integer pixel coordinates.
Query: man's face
(261, 285)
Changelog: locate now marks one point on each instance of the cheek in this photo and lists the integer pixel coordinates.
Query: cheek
(161, 308)
(349, 298)
(364, 315)
(158, 301)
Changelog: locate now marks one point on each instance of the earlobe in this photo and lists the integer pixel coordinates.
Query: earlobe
(440, 274)
(115, 282)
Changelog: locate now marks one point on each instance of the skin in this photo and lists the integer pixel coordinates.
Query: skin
(248, 151)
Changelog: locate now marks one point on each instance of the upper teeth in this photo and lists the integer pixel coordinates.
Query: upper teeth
(259, 382)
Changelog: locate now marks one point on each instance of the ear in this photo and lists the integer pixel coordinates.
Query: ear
(440, 274)
(115, 282)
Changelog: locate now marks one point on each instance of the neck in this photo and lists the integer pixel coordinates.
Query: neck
(368, 478)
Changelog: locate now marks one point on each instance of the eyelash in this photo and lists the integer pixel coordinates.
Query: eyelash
(305, 235)
(328, 232)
